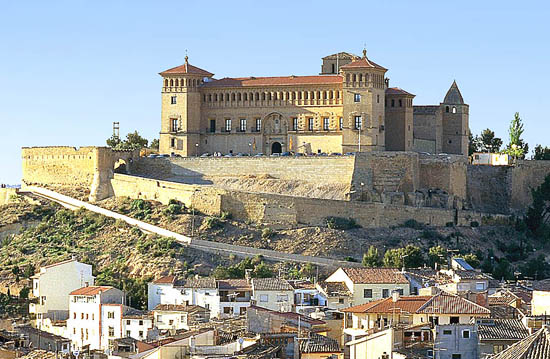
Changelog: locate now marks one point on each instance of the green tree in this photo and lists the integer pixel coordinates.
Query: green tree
(154, 144)
(488, 141)
(437, 255)
(538, 212)
(471, 259)
(410, 257)
(541, 153)
(371, 258)
(473, 143)
(516, 147)
(536, 268)
(133, 141)
(503, 270)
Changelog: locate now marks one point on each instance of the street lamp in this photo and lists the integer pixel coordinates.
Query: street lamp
(196, 149)
(250, 148)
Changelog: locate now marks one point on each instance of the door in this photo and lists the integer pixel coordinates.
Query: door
(276, 147)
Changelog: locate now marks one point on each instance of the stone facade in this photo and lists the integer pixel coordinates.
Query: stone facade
(348, 108)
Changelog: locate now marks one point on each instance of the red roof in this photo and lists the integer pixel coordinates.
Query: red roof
(186, 68)
(167, 279)
(363, 62)
(275, 81)
(91, 290)
(403, 304)
(446, 303)
(375, 275)
(397, 91)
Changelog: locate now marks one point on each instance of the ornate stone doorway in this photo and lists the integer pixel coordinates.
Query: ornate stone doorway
(276, 147)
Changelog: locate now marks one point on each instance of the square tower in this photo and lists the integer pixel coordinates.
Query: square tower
(455, 120)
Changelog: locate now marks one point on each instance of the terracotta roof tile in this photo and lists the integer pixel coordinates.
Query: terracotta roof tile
(363, 62)
(178, 308)
(376, 275)
(186, 69)
(335, 289)
(167, 279)
(317, 343)
(234, 284)
(445, 303)
(501, 329)
(397, 91)
(270, 284)
(90, 290)
(535, 346)
(275, 81)
(403, 304)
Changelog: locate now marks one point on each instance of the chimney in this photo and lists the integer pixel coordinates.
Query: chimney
(247, 275)
(394, 296)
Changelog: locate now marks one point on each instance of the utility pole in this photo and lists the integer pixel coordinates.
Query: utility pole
(116, 129)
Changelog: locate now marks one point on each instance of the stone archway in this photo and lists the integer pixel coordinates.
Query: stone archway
(276, 147)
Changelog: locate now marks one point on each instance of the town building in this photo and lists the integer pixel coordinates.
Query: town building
(456, 341)
(535, 346)
(368, 284)
(235, 297)
(349, 109)
(495, 335)
(337, 294)
(51, 287)
(540, 304)
(272, 293)
(179, 316)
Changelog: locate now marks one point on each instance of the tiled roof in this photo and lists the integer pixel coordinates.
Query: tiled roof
(403, 304)
(290, 315)
(335, 289)
(179, 308)
(317, 343)
(376, 276)
(270, 284)
(453, 96)
(301, 284)
(542, 285)
(445, 303)
(275, 81)
(186, 68)
(501, 329)
(341, 55)
(472, 274)
(167, 279)
(90, 290)
(535, 346)
(60, 263)
(363, 62)
(234, 284)
(502, 298)
(197, 283)
(397, 91)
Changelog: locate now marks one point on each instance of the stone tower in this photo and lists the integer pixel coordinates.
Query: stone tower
(455, 122)
(399, 119)
(363, 105)
(181, 104)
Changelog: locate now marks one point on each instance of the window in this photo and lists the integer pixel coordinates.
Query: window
(258, 124)
(159, 318)
(400, 103)
(446, 108)
(367, 293)
(392, 102)
(454, 109)
(357, 97)
(295, 124)
(92, 316)
(480, 286)
(174, 124)
(227, 310)
(310, 124)
(207, 306)
(141, 322)
(173, 100)
(171, 322)
(454, 320)
(377, 98)
(128, 322)
(358, 122)
(456, 356)
(212, 126)
(326, 123)
(385, 293)
(127, 333)
(227, 125)
(341, 123)
(264, 298)
(340, 300)
(400, 291)
(86, 316)
(172, 142)
(282, 298)
(497, 348)
(111, 331)
(242, 127)
(466, 334)
(81, 315)
(447, 332)
(111, 315)
(141, 333)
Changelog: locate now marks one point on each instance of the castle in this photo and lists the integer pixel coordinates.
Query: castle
(348, 107)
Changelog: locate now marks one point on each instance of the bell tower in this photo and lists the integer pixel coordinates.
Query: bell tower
(181, 104)
(455, 119)
(363, 105)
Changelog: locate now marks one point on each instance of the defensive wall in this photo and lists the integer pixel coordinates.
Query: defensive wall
(6, 195)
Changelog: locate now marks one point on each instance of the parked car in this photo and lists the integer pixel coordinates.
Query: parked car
(175, 155)
(285, 154)
(275, 155)
(349, 154)
(259, 155)
(298, 154)
(152, 156)
(336, 154)
(163, 156)
(229, 155)
(206, 154)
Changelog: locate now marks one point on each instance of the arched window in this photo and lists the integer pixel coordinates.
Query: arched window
(263, 96)
(245, 96)
(215, 97)
(454, 109)
(239, 97)
(354, 77)
(360, 77)
(446, 108)
(165, 82)
(333, 70)
(226, 97)
(347, 77)
(177, 82)
(171, 82)
(400, 103)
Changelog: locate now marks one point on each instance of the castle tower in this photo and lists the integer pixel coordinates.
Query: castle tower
(399, 119)
(181, 104)
(363, 105)
(455, 121)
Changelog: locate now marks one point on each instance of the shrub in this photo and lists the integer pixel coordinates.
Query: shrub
(267, 233)
(350, 259)
(414, 224)
(173, 209)
(474, 224)
(212, 223)
(225, 215)
(341, 223)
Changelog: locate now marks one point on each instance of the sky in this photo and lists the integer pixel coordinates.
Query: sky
(69, 69)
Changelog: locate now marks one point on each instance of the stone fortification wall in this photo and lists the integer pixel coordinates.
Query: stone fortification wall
(6, 195)
(445, 172)
(525, 176)
(284, 211)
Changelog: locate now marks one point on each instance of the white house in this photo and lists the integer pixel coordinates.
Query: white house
(540, 303)
(368, 284)
(95, 316)
(235, 296)
(136, 324)
(51, 287)
(272, 293)
(179, 316)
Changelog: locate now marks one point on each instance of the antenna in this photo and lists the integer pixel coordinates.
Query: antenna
(116, 129)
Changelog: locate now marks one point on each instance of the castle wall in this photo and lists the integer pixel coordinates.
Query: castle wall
(284, 211)
(446, 172)
(427, 129)
(6, 195)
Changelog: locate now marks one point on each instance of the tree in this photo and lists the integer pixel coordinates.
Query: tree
(410, 257)
(516, 148)
(133, 141)
(154, 144)
(437, 255)
(371, 258)
(541, 153)
(471, 259)
(488, 141)
(473, 143)
(537, 213)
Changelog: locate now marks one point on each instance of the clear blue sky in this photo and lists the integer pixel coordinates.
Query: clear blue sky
(68, 69)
